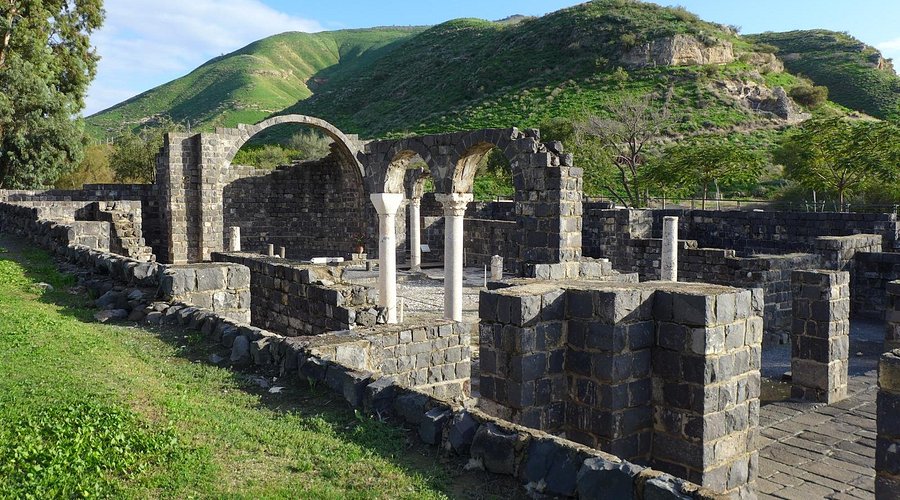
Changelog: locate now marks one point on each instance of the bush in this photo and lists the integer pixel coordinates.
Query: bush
(809, 95)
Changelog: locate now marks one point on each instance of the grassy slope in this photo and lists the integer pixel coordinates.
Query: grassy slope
(94, 410)
(253, 82)
(470, 73)
(461, 74)
(842, 63)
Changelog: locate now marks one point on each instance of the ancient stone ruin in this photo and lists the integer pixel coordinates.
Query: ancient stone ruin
(612, 351)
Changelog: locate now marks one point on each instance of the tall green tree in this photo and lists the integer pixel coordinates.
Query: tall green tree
(705, 161)
(46, 64)
(841, 156)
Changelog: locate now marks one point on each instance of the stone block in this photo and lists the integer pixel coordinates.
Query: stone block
(496, 449)
(599, 478)
(694, 310)
(411, 406)
(379, 395)
(431, 428)
(553, 466)
(461, 432)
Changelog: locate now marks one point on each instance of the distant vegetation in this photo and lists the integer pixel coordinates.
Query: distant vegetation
(855, 74)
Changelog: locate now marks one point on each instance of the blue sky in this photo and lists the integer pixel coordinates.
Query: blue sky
(145, 43)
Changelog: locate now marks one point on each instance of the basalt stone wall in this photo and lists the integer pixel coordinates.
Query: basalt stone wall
(770, 273)
(434, 359)
(775, 232)
(869, 280)
(28, 222)
(221, 288)
(145, 197)
(296, 299)
(653, 371)
(313, 209)
(892, 317)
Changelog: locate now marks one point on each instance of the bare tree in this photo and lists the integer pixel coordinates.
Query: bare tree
(624, 136)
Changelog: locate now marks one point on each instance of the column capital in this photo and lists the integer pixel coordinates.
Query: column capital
(454, 203)
(415, 202)
(386, 203)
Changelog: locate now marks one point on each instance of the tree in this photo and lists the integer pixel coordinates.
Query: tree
(93, 169)
(706, 160)
(809, 95)
(841, 156)
(312, 145)
(623, 141)
(134, 156)
(46, 64)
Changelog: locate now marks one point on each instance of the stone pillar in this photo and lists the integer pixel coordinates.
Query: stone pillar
(668, 261)
(454, 213)
(887, 446)
(706, 386)
(820, 335)
(270, 250)
(386, 204)
(415, 235)
(282, 252)
(234, 239)
(496, 268)
(892, 317)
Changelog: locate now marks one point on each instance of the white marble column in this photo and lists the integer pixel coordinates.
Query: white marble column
(454, 212)
(386, 204)
(415, 234)
(234, 239)
(668, 262)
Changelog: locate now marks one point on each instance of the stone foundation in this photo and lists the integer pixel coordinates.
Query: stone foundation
(887, 447)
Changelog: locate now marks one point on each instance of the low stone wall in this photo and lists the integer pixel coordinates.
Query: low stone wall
(869, 281)
(143, 197)
(28, 221)
(660, 372)
(887, 445)
(302, 299)
(221, 288)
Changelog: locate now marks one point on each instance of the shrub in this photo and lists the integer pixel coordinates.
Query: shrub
(809, 95)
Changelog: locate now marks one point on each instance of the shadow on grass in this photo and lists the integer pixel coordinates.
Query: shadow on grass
(389, 441)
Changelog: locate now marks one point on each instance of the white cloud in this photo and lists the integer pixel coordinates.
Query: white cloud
(144, 43)
(890, 49)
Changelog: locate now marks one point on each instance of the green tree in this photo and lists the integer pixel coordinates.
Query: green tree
(46, 64)
(134, 157)
(841, 156)
(93, 169)
(312, 145)
(705, 161)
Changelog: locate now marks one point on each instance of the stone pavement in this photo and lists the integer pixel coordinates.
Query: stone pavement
(811, 451)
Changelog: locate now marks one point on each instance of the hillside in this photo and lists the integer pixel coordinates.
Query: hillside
(254, 82)
(470, 73)
(857, 76)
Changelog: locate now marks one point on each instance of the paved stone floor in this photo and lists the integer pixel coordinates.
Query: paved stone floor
(810, 451)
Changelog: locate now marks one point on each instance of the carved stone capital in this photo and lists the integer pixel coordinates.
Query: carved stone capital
(454, 203)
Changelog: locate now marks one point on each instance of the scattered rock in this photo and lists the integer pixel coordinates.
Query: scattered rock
(240, 350)
(111, 315)
(136, 315)
(44, 287)
(154, 318)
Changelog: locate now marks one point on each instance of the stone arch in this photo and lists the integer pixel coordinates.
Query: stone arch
(346, 147)
(470, 150)
(400, 154)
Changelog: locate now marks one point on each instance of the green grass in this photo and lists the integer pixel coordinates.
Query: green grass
(92, 410)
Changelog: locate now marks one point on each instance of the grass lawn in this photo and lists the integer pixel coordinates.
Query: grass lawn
(95, 410)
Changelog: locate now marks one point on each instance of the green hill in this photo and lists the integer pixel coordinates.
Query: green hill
(857, 76)
(253, 82)
(470, 73)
